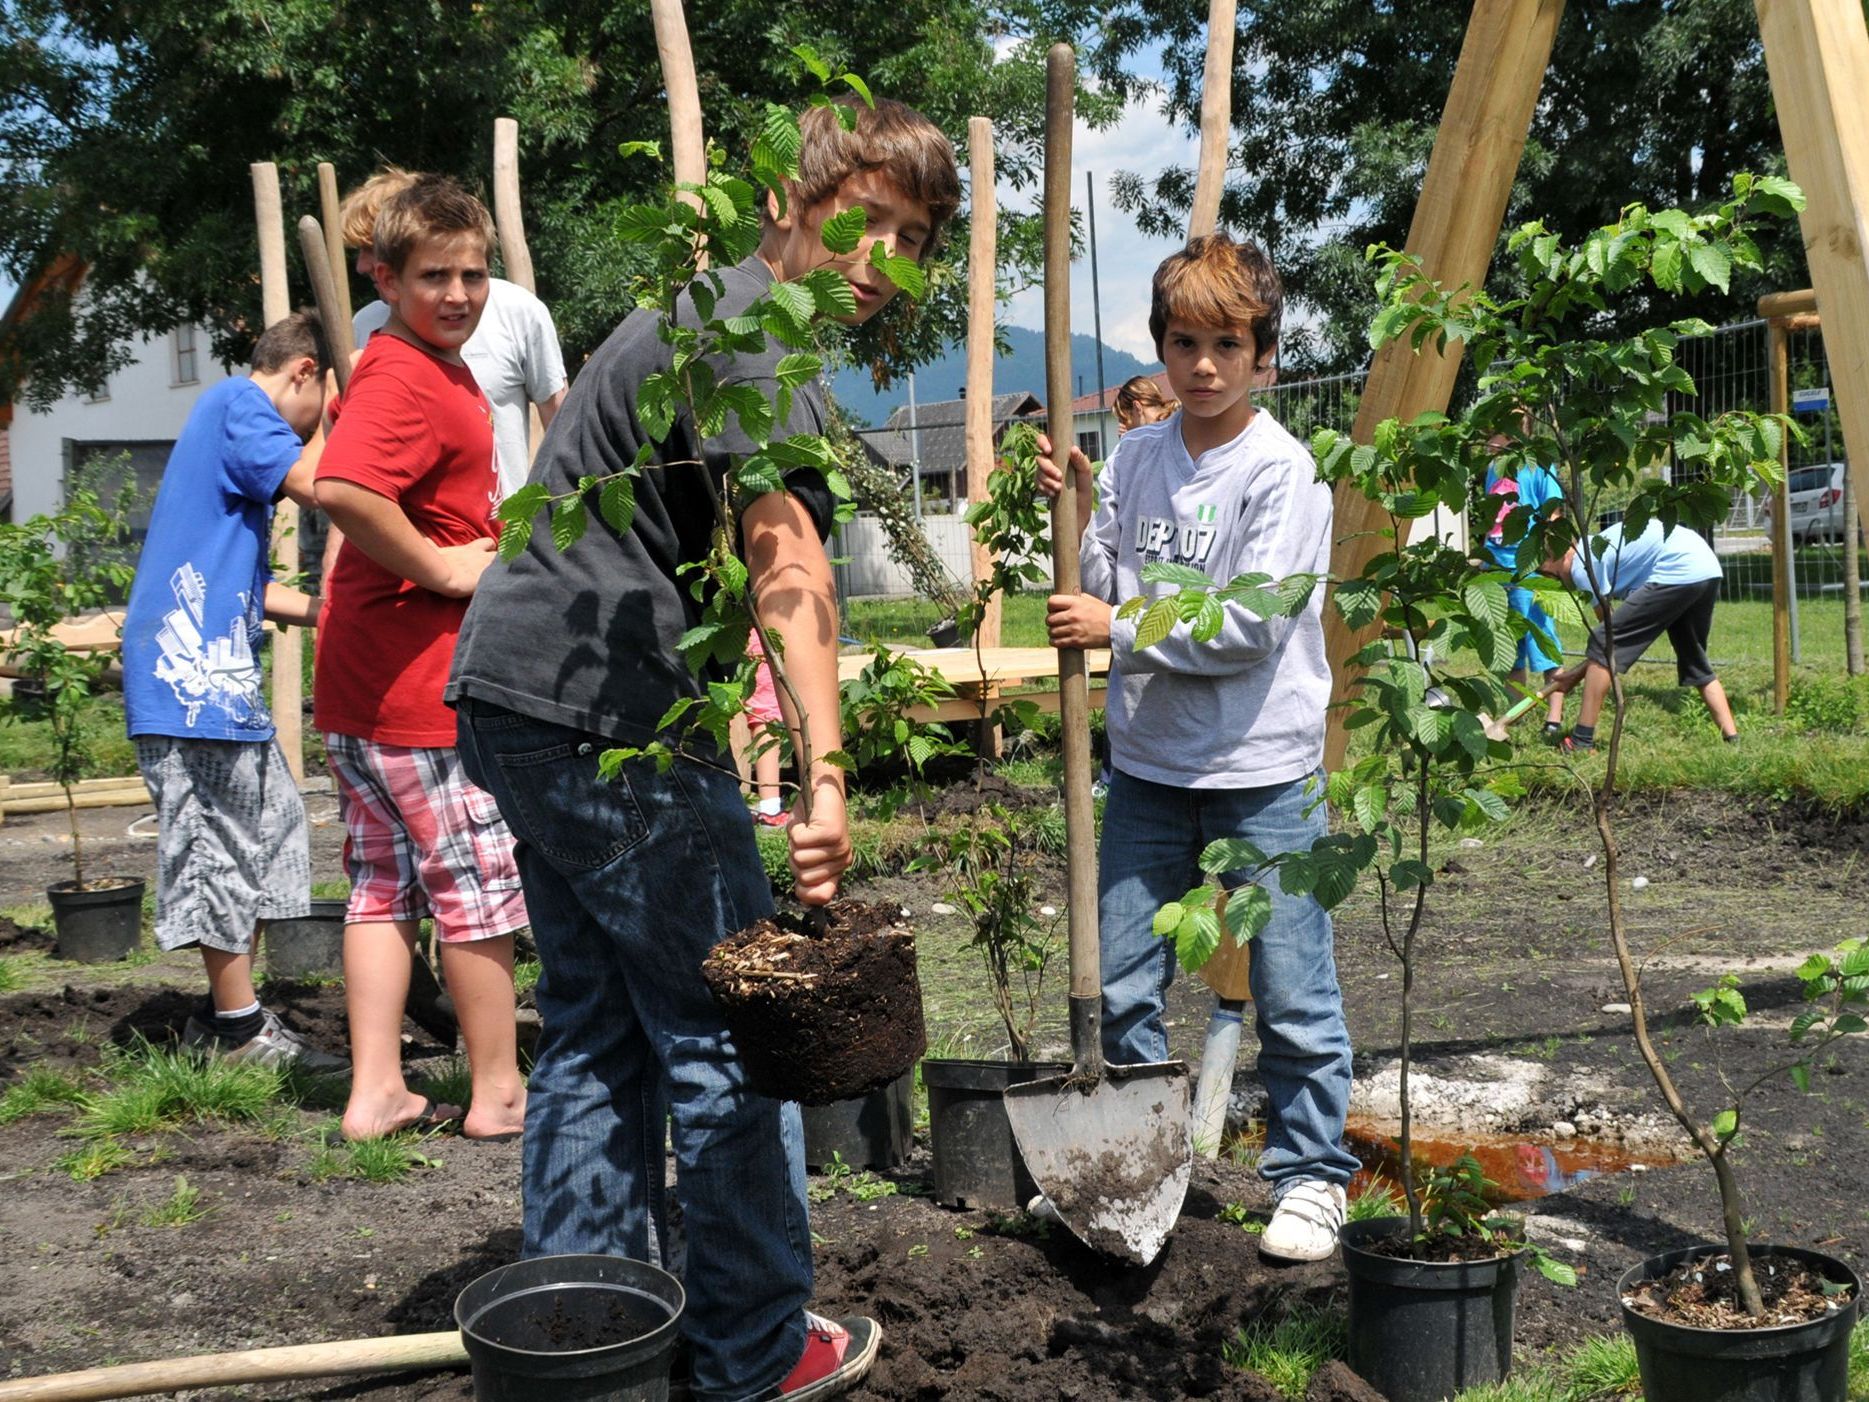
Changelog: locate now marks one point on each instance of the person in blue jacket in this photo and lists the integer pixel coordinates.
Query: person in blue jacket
(1535, 488)
(1668, 581)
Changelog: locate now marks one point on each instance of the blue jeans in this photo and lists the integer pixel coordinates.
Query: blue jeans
(1532, 659)
(1153, 836)
(629, 884)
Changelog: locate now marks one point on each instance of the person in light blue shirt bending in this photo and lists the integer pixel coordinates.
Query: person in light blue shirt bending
(1669, 582)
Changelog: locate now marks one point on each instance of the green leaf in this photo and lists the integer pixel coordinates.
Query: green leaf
(794, 300)
(568, 522)
(1801, 1077)
(832, 293)
(842, 232)
(1371, 805)
(905, 273)
(1167, 919)
(1249, 908)
(523, 504)
(1489, 803)
(857, 86)
(651, 149)
(1556, 1271)
(1197, 937)
(798, 369)
(1168, 572)
(1157, 623)
(1725, 1124)
(1359, 601)
(616, 503)
(1226, 854)
(1409, 873)
(816, 66)
(515, 536)
(1709, 260)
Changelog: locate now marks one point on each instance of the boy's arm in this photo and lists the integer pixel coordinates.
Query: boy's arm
(1284, 525)
(377, 526)
(300, 477)
(791, 580)
(292, 607)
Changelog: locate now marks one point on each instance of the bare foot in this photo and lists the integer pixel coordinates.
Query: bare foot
(376, 1120)
(502, 1121)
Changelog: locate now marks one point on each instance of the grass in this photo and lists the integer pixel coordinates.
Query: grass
(39, 1090)
(1604, 1367)
(182, 1206)
(10, 976)
(153, 1088)
(93, 1160)
(1375, 1199)
(390, 1159)
(450, 1083)
(1287, 1350)
(1859, 1363)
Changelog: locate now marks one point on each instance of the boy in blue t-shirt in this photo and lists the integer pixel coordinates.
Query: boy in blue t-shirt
(232, 846)
(1534, 487)
(1669, 581)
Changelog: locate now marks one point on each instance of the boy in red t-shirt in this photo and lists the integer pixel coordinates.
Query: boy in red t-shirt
(408, 476)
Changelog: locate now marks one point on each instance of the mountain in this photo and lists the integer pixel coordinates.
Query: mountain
(1023, 368)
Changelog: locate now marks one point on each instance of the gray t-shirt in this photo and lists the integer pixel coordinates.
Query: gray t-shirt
(587, 637)
(516, 362)
(1247, 709)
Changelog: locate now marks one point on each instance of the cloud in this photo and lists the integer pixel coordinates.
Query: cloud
(1143, 142)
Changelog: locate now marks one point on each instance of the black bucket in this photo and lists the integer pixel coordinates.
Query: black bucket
(98, 926)
(307, 944)
(976, 1160)
(1421, 1331)
(1790, 1363)
(871, 1131)
(571, 1329)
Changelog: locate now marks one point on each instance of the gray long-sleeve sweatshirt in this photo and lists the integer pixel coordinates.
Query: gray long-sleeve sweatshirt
(1247, 709)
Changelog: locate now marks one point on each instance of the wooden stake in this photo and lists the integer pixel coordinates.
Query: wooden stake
(1216, 118)
(1778, 366)
(506, 207)
(1817, 52)
(276, 304)
(328, 207)
(312, 244)
(686, 147)
(344, 1357)
(1457, 221)
(982, 310)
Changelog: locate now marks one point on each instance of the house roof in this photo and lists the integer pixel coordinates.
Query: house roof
(942, 428)
(63, 273)
(1096, 403)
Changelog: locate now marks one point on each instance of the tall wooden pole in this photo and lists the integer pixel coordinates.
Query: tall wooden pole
(1463, 203)
(1817, 52)
(1216, 118)
(684, 94)
(1779, 374)
(982, 308)
(328, 205)
(275, 305)
(507, 215)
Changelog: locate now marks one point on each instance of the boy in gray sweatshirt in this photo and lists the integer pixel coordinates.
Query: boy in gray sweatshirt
(1222, 738)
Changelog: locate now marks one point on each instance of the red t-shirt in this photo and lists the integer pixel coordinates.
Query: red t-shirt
(417, 430)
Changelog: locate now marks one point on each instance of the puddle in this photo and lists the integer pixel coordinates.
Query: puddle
(1522, 1168)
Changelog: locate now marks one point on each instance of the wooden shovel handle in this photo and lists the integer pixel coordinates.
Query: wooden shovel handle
(329, 208)
(259, 1365)
(324, 292)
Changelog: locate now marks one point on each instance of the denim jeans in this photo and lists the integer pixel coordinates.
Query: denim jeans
(1153, 835)
(629, 884)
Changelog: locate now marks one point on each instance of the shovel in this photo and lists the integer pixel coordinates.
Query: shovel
(1108, 1145)
(1496, 729)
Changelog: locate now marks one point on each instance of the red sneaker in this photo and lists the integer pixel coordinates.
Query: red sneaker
(780, 819)
(837, 1354)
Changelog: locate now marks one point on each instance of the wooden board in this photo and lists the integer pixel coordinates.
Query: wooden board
(1456, 225)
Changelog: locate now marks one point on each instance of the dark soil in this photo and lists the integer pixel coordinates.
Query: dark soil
(15, 938)
(823, 1007)
(1703, 1293)
(1440, 1250)
(965, 797)
(1516, 977)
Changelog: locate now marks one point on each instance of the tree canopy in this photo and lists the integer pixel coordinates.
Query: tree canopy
(1335, 107)
(127, 127)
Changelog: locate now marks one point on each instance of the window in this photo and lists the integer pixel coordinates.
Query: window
(1091, 441)
(108, 468)
(184, 355)
(100, 394)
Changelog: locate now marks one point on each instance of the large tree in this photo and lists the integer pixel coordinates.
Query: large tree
(127, 126)
(1335, 106)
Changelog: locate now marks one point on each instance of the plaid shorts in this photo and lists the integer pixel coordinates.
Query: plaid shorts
(421, 840)
(231, 848)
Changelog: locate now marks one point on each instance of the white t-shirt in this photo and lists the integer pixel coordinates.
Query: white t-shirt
(515, 358)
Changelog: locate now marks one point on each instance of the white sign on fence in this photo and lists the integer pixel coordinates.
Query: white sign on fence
(1810, 401)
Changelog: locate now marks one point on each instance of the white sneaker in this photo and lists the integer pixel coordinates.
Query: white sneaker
(274, 1044)
(1305, 1221)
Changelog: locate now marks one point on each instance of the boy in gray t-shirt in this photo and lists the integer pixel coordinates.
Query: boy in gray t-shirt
(1223, 738)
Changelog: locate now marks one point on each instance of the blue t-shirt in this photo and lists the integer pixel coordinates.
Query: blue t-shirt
(191, 664)
(1534, 487)
(1679, 556)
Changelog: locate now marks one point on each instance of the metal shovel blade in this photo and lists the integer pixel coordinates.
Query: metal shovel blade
(1113, 1158)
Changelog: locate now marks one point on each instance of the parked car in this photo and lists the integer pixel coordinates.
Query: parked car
(1816, 503)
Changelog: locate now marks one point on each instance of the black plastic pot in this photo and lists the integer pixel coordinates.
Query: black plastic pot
(307, 944)
(99, 925)
(1791, 1363)
(871, 1131)
(571, 1329)
(1421, 1331)
(976, 1160)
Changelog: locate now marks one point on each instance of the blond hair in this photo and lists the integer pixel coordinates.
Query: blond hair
(891, 138)
(1216, 282)
(1138, 395)
(356, 217)
(429, 206)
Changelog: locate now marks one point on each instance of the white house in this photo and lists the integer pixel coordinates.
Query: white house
(139, 410)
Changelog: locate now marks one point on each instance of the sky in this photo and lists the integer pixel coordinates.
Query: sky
(1143, 142)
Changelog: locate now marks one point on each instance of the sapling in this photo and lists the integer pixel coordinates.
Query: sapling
(54, 568)
(1602, 413)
